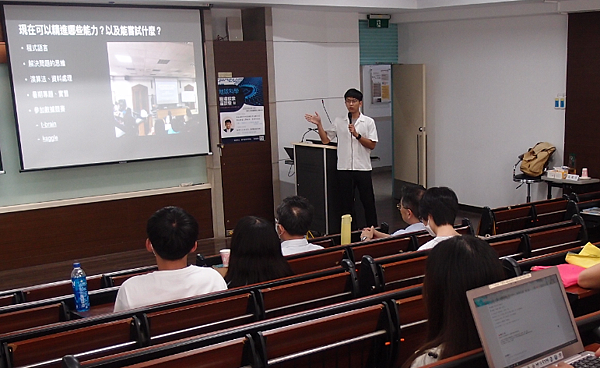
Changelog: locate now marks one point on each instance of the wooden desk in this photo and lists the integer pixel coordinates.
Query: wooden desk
(95, 310)
(567, 184)
(592, 347)
(580, 293)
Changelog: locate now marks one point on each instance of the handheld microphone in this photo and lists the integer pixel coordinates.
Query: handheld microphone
(349, 118)
(326, 113)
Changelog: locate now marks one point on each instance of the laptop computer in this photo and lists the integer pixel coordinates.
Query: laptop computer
(526, 322)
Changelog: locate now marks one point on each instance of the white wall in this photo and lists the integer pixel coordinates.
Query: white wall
(316, 57)
(382, 113)
(491, 85)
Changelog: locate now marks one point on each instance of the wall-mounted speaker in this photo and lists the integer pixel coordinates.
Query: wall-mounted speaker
(234, 29)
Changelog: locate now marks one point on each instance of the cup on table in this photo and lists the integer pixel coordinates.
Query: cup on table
(225, 256)
(584, 172)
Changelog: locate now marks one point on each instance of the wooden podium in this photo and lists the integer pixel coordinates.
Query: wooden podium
(316, 180)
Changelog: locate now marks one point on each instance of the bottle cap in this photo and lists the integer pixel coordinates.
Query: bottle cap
(76, 264)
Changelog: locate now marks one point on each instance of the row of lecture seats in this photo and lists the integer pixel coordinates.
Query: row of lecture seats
(307, 262)
(583, 196)
(360, 333)
(519, 244)
(176, 320)
(140, 323)
(119, 333)
(506, 219)
(531, 242)
(60, 288)
(336, 239)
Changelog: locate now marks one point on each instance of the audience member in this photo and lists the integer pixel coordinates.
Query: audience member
(409, 210)
(294, 216)
(255, 254)
(172, 235)
(458, 264)
(159, 127)
(590, 277)
(438, 209)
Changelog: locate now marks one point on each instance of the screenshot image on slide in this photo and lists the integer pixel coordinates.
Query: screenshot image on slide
(106, 84)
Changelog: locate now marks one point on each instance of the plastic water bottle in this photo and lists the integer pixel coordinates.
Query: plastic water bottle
(346, 229)
(82, 299)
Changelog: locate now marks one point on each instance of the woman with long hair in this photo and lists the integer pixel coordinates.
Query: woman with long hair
(454, 266)
(255, 253)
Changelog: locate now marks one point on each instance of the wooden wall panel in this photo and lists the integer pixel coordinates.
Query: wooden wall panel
(67, 233)
(246, 167)
(583, 88)
(2, 42)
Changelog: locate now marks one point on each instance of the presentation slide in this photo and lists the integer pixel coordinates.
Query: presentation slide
(106, 84)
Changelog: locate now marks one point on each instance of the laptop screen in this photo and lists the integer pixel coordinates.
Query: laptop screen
(527, 322)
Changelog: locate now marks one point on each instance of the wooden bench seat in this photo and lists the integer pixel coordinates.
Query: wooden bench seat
(229, 354)
(286, 299)
(7, 299)
(317, 260)
(513, 218)
(34, 317)
(554, 240)
(49, 350)
(410, 298)
(191, 320)
(357, 338)
(388, 247)
(510, 247)
(371, 278)
(59, 288)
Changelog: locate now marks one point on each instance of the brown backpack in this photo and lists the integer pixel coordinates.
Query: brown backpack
(536, 158)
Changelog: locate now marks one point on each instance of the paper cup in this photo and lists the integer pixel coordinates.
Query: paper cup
(584, 172)
(225, 256)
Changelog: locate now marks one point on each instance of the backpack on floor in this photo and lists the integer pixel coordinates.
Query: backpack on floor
(534, 160)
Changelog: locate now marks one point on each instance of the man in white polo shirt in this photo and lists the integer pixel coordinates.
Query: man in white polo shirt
(294, 216)
(356, 137)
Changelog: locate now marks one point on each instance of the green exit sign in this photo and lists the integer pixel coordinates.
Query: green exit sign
(379, 20)
(379, 23)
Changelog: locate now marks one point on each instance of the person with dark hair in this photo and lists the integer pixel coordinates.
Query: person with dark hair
(159, 127)
(294, 216)
(357, 137)
(191, 121)
(409, 210)
(438, 209)
(255, 254)
(172, 235)
(177, 125)
(228, 126)
(456, 265)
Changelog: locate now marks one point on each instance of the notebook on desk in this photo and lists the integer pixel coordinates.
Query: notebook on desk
(526, 322)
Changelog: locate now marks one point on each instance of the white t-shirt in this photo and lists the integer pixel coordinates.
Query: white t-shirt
(417, 226)
(163, 286)
(433, 242)
(295, 246)
(351, 154)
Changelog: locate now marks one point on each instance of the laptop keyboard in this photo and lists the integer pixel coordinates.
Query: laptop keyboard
(587, 362)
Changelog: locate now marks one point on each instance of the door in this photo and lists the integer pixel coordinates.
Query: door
(409, 126)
